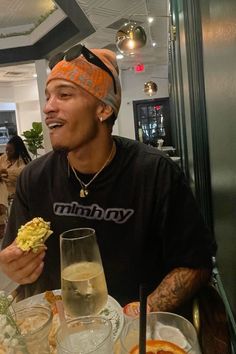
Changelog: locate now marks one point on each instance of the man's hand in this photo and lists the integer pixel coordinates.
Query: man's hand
(21, 267)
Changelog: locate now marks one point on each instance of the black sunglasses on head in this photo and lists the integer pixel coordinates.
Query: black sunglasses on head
(75, 52)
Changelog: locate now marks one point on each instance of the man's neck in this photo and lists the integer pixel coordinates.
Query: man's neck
(90, 160)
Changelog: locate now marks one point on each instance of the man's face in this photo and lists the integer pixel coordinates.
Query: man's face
(71, 115)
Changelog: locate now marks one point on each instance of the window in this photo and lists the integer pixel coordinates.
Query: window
(8, 122)
(152, 121)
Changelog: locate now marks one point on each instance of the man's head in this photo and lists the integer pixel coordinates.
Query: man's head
(82, 97)
(94, 70)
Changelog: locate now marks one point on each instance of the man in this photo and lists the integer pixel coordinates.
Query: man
(148, 226)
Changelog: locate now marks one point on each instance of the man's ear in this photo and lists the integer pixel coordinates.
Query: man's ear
(104, 112)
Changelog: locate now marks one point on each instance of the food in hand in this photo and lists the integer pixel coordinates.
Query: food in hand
(159, 347)
(33, 234)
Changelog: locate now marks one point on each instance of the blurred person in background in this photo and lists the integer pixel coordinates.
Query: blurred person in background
(12, 163)
(148, 226)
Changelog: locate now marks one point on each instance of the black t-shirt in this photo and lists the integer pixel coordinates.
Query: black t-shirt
(146, 219)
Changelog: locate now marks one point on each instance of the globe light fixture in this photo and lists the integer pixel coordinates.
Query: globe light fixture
(130, 37)
(150, 88)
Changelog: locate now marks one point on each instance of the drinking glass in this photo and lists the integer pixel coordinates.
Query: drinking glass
(34, 323)
(85, 335)
(83, 283)
(162, 326)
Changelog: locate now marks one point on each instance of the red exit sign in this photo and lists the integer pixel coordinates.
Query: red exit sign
(139, 68)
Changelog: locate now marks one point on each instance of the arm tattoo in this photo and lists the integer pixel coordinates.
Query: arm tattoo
(177, 287)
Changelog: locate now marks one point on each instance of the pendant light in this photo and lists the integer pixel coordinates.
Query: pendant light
(150, 88)
(130, 37)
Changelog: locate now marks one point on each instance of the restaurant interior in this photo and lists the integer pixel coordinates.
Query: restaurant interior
(178, 91)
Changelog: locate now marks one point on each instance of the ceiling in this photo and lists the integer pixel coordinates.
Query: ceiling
(31, 30)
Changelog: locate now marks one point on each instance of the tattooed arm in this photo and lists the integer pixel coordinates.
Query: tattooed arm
(177, 287)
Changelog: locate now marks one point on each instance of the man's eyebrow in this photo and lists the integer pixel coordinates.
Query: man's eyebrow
(62, 86)
(65, 86)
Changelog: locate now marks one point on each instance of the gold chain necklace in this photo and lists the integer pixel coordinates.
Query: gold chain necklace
(84, 186)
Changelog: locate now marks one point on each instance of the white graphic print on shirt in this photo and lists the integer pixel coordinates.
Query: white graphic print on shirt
(94, 211)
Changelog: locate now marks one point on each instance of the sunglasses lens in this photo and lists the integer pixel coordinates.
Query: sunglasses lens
(73, 52)
(55, 59)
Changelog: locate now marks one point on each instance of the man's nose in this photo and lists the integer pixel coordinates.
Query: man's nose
(50, 105)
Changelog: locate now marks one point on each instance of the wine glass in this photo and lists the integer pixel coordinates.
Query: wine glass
(83, 283)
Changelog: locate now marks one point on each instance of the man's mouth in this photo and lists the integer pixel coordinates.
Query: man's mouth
(52, 126)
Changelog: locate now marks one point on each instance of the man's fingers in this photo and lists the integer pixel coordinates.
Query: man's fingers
(23, 261)
(23, 268)
(28, 273)
(32, 277)
(29, 258)
(10, 254)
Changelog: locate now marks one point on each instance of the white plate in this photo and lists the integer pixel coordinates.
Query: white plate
(112, 311)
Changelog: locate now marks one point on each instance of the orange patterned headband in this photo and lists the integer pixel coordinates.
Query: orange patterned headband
(98, 75)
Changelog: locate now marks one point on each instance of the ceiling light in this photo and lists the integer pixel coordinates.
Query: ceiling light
(154, 44)
(150, 88)
(130, 37)
(150, 19)
(119, 56)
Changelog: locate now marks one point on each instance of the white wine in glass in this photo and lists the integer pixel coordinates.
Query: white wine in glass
(83, 283)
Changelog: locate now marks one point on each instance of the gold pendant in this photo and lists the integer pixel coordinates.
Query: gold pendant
(83, 193)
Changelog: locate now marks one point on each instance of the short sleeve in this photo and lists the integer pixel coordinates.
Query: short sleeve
(186, 240)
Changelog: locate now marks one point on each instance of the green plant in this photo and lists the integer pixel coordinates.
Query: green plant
(34, 138)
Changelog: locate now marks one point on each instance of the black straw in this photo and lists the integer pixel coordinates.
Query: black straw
(142, 319)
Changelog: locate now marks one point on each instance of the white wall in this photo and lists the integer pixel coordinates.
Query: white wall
(27, 112)
(132, 90)
(27, 104)
(6, 93)
(25, 96)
